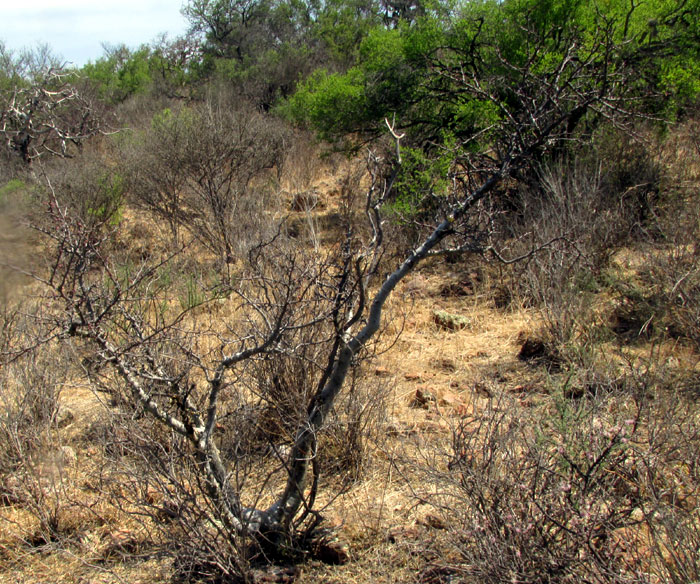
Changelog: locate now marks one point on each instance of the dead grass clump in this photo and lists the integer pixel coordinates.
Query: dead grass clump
(150, 479)
(355, 431)
(673, 279)
(302, 168)
(567, 228)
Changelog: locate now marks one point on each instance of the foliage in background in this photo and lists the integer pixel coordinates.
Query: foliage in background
(412, 71)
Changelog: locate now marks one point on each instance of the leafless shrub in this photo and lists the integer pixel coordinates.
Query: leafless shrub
(157, 474)
(238, 383)
(91, 190)
(601, 487)
(230, 182)
(663, 295)
(33, 463)
(209, 167)
(156, 166)
(355, 430)
(673, 266)
(580, 214)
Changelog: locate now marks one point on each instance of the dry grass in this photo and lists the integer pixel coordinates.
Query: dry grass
(373, 510)
(433, 378)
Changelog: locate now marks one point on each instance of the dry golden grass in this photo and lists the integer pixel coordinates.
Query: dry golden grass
(391, 532)
(376, 509)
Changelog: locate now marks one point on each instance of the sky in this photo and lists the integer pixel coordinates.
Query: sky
(76, 29)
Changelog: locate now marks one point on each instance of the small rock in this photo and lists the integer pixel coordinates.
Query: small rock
(422, 398)
(412, 376)
(454, 402)
(447, 398)
(637, 515)
(382, 372)
(448, 321)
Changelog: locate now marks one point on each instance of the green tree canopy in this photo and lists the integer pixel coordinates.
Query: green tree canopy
(483, 62)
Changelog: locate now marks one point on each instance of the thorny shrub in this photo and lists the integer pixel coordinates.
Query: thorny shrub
(33, 464)
(152, 477)
(579, 212)
(91, 191)
(673, 269)
(207, 169)
(156, 473)
(663, 296)
(597, 489)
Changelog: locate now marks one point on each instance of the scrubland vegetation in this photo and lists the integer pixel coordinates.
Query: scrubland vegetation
(356, 292)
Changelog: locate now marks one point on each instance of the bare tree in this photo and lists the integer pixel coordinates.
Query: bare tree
(156, 357)
(156, 167)
(184, 373)
(28, 64)
(46, 114)
(173, 58)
